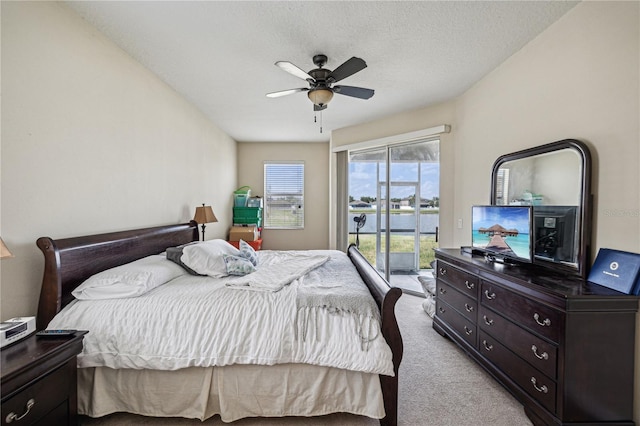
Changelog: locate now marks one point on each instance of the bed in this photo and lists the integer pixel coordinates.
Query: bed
(235, 389)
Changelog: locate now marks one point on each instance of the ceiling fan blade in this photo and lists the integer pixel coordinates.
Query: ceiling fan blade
(356, 92)
(286, 92)
(350, 67)
(292, 69)
(318, 107)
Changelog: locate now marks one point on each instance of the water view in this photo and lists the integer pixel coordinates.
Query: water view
(400, 223)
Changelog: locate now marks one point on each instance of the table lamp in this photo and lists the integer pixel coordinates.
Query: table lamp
(4, 251)
(204, 215)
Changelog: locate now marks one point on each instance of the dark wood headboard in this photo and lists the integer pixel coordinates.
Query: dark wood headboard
(69, 262)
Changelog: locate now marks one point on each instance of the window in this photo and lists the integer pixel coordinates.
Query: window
(284, 195)
(502, 187)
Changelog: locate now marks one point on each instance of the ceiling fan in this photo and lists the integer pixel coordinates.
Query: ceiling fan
(321, 80)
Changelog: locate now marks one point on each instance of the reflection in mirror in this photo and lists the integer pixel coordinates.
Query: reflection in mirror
(555, 179)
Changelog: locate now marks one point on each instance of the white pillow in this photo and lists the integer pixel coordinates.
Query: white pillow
(130, 280)
(206, 257)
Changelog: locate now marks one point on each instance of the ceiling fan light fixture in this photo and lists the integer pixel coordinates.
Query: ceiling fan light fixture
(321, 80)
(320, 97)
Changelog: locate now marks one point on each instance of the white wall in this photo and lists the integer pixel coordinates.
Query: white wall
(93, 142)
(579, 79)
(251, 158)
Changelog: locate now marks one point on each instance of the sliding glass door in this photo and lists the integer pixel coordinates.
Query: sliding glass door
(397, 189)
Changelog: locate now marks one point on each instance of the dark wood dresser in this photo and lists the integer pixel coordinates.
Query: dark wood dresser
(39, 384)
(563, 347)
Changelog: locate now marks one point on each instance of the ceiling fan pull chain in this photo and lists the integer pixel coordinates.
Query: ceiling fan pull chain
(320, 121)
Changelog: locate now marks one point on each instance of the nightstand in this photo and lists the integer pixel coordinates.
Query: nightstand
(39, 380)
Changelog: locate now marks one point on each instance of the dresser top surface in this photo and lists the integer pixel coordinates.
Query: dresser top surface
(533, 276)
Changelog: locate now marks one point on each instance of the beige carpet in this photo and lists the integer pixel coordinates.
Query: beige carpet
(439, 386)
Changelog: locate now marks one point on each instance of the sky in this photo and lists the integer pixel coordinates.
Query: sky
(507, 216)
(362, 179)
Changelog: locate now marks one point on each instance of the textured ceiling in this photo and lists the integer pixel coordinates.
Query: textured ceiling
(220, 55)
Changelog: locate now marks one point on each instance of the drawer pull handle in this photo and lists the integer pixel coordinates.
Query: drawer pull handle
(443, 271)
(544, 355)
(489, 296)
(442, 310)
(545, 323)
(487, 320)
(468, 307)
(542, 389)
(487, 346)
(469, 285)
(468, 330)
(14, 417)
(443, 290)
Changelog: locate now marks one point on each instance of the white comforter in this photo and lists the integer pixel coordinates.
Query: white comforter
(194, 321)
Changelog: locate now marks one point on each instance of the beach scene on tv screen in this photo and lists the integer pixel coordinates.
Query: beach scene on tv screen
(504, 231)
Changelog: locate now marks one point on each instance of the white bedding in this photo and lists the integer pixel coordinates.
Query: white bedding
(234, 392)
(273, 275)
(194, 321)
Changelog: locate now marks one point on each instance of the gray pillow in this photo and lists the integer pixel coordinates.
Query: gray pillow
(175, 253)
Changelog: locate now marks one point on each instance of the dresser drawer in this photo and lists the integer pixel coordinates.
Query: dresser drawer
(41, 397)
(463, 281)
(465, 328)
(526, 312)
(536, 384)
(539, 353)
(467, 306)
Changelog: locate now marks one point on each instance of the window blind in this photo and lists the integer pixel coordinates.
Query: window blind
(284, 195)
(502, 187)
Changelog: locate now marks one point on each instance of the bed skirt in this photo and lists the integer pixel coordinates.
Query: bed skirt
(234, 392)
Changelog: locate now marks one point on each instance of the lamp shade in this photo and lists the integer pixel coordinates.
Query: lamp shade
(4, 251)
(320, 97)
(204, 214)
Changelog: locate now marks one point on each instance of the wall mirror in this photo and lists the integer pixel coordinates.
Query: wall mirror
(555, 179)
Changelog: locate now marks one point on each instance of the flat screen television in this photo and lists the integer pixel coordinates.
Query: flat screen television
(503, 233)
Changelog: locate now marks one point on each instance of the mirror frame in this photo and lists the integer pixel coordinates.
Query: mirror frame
(584, 209)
